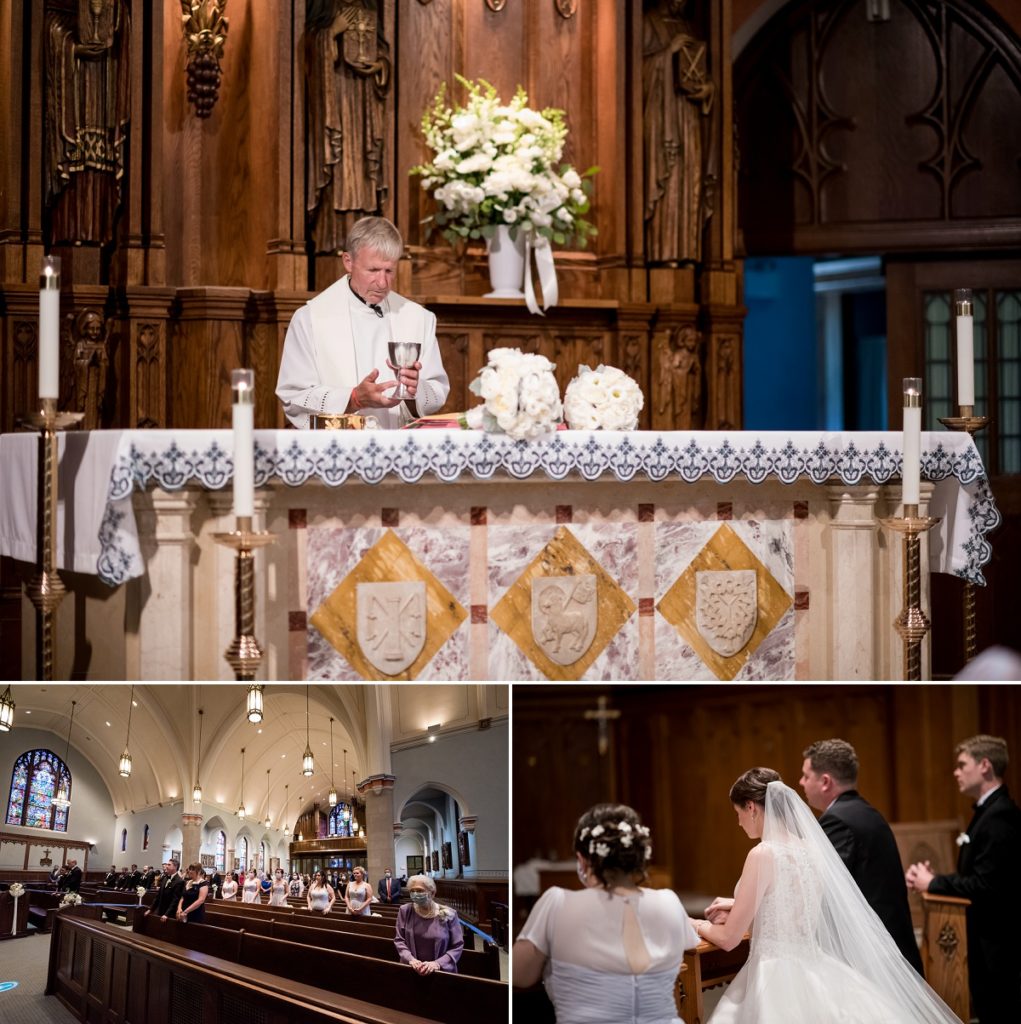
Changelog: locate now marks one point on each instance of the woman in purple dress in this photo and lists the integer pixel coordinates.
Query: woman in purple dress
(429, 936)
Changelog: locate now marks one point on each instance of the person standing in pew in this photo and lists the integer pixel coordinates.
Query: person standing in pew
(230, 887)
(168, 891)
(149, 878)
(320, 895)
(192, 906)
(250, 888)
(389, 888)
(359, 898)
(429, 936)
(73, 879)
(278, 889)
(111, 877)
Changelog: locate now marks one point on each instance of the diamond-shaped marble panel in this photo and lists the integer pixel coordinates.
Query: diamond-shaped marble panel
(725, 551)
(389, 560)
(563, 556)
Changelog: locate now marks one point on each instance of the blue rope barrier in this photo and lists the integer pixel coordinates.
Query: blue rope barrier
(478, 931)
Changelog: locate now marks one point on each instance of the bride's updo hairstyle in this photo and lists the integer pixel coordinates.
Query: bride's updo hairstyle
(612, 838)
(752, 786)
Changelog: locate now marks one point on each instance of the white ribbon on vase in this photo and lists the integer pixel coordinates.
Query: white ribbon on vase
(540, 246)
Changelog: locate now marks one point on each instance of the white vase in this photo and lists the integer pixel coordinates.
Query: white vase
(506, 265)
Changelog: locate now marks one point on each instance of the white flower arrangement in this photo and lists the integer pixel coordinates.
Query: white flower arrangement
(520, 395)
(495, 163)
(16, 890)
(71, 899)
(963, 839)
(602, 399)
(140, 891)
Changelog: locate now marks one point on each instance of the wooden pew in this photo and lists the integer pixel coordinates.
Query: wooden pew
(472, 964)
(457, 999)
(349, 922)
(107, 975)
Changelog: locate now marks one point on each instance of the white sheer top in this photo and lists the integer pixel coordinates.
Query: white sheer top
(589, 975)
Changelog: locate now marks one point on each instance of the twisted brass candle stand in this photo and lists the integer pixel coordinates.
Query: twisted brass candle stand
(972, 424)
(244, 655)
(912, 624)
(46, 589)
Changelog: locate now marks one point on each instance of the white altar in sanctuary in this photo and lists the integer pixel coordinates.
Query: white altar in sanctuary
(442, 554)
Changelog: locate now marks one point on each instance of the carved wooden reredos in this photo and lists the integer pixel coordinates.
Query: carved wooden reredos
(196, 167)
(927, 157)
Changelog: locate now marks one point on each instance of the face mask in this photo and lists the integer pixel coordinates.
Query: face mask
(419, 898)
(388, 874)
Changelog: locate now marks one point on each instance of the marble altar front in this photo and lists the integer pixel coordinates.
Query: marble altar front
(652, 556)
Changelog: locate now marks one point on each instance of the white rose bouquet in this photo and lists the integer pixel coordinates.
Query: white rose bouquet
(497, 163)
(71, 899)
(520, 394)
(602, 399)
(16, 890)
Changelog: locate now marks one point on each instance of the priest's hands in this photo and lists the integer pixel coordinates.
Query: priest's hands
(919, 876)
(408, 376)
(371, 394)
(719, 910)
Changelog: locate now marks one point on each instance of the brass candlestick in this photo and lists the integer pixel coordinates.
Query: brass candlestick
(971, 424)
(46, 589)
(912, 624)
(244, 655)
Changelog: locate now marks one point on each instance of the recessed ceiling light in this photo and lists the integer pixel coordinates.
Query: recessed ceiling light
(134, 703)
(108, 725)
(283, 755)
(28, 712)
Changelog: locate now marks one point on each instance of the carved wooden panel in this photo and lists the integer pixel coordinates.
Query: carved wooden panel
(864, 134)
(454, 348)
(149, 374)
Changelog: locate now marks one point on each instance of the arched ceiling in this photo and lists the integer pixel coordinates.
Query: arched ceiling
(164, 740)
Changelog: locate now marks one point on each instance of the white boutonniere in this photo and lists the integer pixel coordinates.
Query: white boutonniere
(963, 838)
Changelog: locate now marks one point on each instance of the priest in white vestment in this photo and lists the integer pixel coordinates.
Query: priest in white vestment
(336, 352)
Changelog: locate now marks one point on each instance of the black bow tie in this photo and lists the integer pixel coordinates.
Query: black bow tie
(979, 808)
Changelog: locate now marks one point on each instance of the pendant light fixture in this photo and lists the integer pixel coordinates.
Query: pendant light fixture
(241, 808)
(196, 793)
(268, 819)
(125, 765)
(63, 797)
(333, 788)
(287, 804)
(308, 764)
(253, 704)
(6, 710)
(346, 813)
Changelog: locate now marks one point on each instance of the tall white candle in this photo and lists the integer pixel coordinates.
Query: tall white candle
(49, 328)
(912, 471)
(965, 346)
(242, 383)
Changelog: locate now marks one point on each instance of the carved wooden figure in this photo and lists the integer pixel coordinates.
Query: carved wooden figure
(87, 114)
(348, 74)
(677, 94)
(91, 366)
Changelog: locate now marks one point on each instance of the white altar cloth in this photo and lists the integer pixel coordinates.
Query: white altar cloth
(99, 471)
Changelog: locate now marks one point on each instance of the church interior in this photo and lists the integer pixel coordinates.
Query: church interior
(786, 197)
(672, 753)
(398, 782)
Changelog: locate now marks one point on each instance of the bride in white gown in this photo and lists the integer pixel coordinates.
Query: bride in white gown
(819, 954)
(608, 954)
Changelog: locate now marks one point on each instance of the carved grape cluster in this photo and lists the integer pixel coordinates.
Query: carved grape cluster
(203, 83)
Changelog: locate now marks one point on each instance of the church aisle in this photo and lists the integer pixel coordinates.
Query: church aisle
(24, 961)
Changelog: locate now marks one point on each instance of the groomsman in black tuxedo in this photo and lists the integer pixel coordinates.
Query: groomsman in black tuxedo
(168, 891)
(861, 836)
(987, 866)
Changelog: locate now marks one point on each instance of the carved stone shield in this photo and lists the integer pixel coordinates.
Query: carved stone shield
(391, 623)
(564, 616)
(726, 608)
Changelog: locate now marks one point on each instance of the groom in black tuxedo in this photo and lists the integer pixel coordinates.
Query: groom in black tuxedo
(990, 852)
(861, 836)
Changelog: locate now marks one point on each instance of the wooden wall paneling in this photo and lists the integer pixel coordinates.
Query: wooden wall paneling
(633, 354)
(493, 45)
(721, 181)
(14, 136)
(724, 374)
(141, 356)
(19, 320)
(455, 348)
(207, 341)
(285, 305)
(261, 352)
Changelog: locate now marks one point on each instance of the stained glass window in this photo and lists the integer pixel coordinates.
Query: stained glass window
(34, 781)
(124, 840)
(241, 853)
(338, 826)
(221, 851)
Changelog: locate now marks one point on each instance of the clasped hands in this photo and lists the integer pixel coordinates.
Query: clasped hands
(918, 877)
(716, 913)
(424, 966)
(371, 393)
